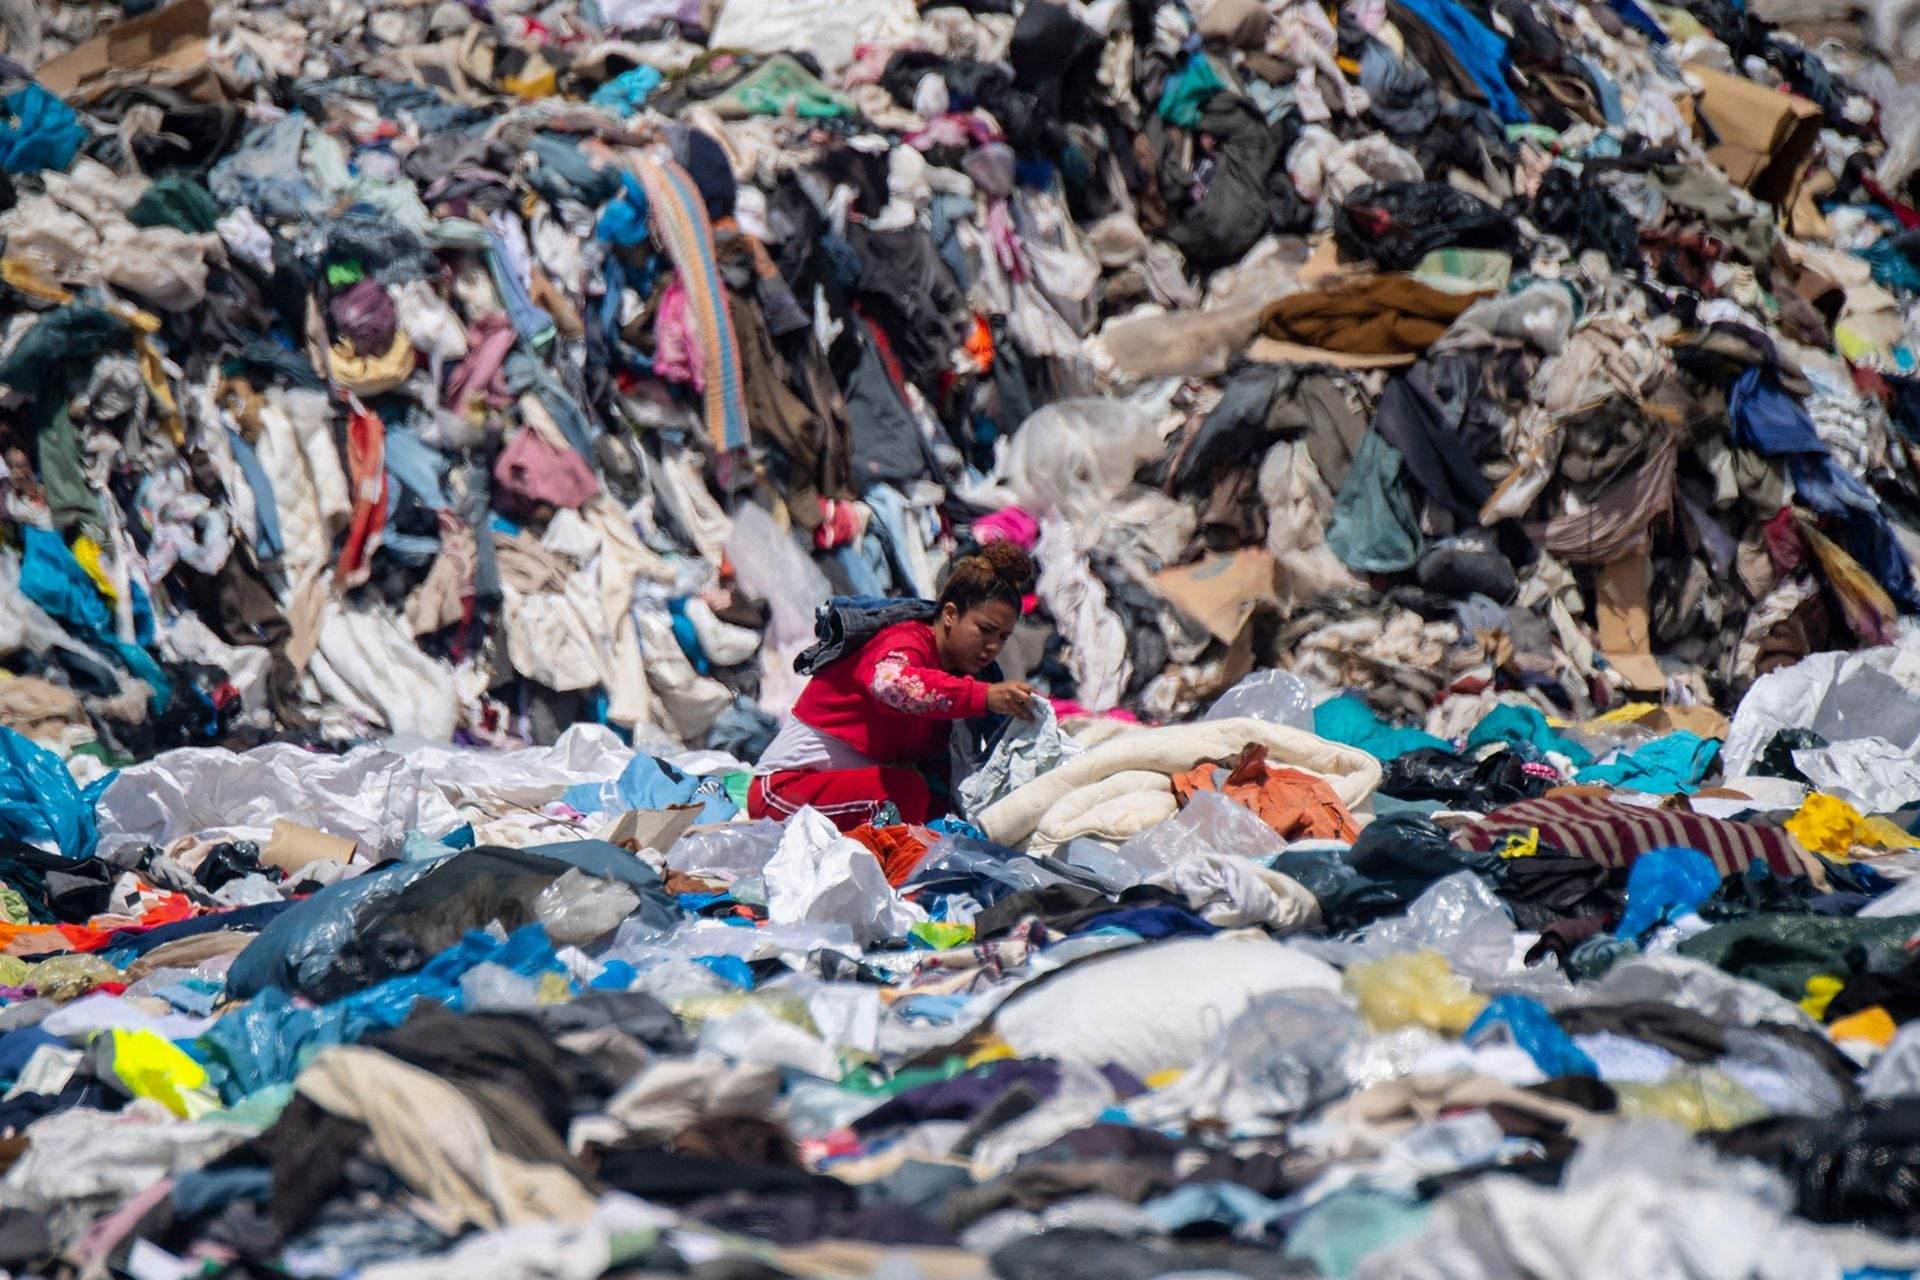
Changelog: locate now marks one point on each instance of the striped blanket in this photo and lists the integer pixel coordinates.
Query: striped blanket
(677, 214)
(1615, 834)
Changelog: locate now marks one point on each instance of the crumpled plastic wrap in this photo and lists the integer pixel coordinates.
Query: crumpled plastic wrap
(1413, 988)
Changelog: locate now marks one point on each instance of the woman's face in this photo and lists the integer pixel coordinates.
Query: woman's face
(971, 640)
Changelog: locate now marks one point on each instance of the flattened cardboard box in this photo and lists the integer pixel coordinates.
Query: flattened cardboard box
(1766, 137)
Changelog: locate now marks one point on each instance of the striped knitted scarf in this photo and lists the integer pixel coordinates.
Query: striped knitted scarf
(678, 217)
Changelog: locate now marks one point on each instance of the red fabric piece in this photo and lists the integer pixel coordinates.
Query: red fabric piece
(899, 849)
(1907, 215)
(367, 470)
(1785, 547)
(848, 798)
(891, 701)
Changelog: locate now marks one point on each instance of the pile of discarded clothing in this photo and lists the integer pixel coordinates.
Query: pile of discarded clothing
(1468, 451)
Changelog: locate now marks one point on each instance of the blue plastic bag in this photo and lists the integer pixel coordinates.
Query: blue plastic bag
(1530, 1026)
(1664, 883)
(40, 802)
(267, 1041)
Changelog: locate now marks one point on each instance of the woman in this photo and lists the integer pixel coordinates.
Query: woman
(867, 727)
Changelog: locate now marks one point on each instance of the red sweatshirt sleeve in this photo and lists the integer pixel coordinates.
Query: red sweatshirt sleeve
(897, 677)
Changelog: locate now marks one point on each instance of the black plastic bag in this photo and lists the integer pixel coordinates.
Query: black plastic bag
(1398, 223)
(1460, 781)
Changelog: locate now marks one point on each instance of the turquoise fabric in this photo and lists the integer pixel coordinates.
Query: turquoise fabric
(1518, 726)
(1351, 721)
(1675, 763)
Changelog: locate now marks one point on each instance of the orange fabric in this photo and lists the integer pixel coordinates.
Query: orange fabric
(43, 939)
(1874, 1025)
(899, 849)
(1297, 805)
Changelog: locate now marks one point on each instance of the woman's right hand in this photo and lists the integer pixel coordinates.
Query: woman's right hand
(1014, 698)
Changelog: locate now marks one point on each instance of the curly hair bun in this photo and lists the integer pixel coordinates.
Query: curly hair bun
(1008, 563)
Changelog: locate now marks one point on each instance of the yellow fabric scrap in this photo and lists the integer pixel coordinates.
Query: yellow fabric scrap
(152, 1067)
(1829, 825)
(89, 553)
(1521, 846)
(1821, 989)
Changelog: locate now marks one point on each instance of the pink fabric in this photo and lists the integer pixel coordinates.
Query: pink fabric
(532, 470)
(1010, 524)
(489, 339)
(676, 355)
(1068, 709)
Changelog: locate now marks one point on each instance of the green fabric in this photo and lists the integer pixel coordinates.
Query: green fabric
(48, 364)
(1783, 952)
(1349, 720)
(737, 785)
(1188, 92)
(1513, 725)
(780, 84)
(867, 1080)
(342, 274)
(63, 454)
(13, 906)
(178, 202)
(1344, 1228)
(1374, 528)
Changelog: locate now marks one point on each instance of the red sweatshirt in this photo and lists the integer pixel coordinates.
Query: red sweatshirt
(891, 701)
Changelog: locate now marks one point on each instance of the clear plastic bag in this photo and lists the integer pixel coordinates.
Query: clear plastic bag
(725, 853)
(578, 908)
(1210, 824)
(492, 988)
(1075, 457)
(1695, 1098)
(1293, 1045)
(1457, 916)
(63, 978)
(1278, 697)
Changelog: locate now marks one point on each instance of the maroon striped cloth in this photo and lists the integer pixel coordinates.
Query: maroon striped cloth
(1615, 834)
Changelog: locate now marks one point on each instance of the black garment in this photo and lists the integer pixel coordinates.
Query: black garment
(56, 889)
(1065, 907)
(632, 1013)
(908, 290)
(1439, 417)
(1548, 887)
(1139, 610)
(1682, 1032)
(498, 1049)
(794, 1219)
(1398, 223)
(654, 1174)
(1468, 565)
(1243, 198)
(888, 447)
(1390, 865)
(1861, 1167)
(1897, 992)
(1587, 216)
(307, 1148)
(1056, 57)
(961, 1097)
